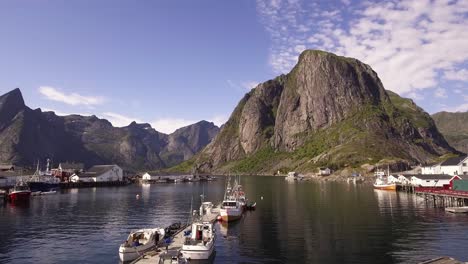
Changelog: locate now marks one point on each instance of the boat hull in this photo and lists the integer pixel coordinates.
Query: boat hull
(19, 196)
(229, 215)
(197, 254)
(43, 186)
(131, 253)
(387, 187)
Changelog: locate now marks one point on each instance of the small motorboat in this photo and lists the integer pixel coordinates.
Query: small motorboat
(20, 192)
(200, 244)
(251, 206)
(139, 242)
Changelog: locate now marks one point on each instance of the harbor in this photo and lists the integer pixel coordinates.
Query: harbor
(93, 222)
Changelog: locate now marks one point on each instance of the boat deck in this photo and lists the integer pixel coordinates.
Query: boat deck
(177, 241)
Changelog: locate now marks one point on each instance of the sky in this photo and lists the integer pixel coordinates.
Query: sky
(172, 63)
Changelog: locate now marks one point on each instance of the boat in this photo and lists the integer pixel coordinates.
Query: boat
(139, 242)
(200, 244)
(231, 208)
(381, 182)
(43, 181)
(20, 192)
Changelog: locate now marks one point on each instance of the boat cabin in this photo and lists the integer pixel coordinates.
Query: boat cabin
(201, 232)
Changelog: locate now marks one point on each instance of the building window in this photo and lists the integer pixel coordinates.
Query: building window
(464, 164)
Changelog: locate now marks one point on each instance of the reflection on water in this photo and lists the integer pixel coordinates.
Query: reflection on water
(295, 222)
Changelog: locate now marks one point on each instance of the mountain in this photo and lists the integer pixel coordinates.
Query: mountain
(454, 127)
(328, 111)
(28, 135)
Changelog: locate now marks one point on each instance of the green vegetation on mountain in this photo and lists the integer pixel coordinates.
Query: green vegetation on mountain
(454, 127)
(328, 111)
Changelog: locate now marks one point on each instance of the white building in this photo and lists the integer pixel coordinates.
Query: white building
(148, 177)
(455, 166)
(430, 180)
(452, 166)
(393, 179)
(99, 173)
(404, 179)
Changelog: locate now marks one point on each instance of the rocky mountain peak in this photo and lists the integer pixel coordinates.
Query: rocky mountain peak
(329, 110)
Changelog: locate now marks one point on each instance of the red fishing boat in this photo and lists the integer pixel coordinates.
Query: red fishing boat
(20, 192)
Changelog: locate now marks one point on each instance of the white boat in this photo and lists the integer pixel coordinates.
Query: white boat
(139, 242)
(231, 210)
(382, 183)
(200, 244)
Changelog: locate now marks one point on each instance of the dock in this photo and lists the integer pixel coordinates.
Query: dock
(178, 240)
(455, 210)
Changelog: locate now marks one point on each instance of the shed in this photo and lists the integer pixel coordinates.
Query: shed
(430, 180)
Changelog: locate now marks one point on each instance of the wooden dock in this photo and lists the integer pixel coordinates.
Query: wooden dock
(178, 240)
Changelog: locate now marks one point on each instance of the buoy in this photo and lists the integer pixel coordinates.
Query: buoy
(261, 197)
(138, 196)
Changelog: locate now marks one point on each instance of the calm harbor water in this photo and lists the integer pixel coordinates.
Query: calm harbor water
(307, 222)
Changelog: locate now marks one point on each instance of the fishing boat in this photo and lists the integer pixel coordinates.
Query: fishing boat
(381, 182)
(230, 210)
(43, 182)
(20, 192)
(139, 242)
(200, 244)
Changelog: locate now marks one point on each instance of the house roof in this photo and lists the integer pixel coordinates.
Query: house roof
(407, 176)
(71, 166)
(96, 170)
(431, 176)
(454, 161)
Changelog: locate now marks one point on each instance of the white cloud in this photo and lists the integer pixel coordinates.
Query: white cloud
(60, 113)
(458, 108)
(169, 125)
(119, 120)
(408, 43)
(440, 93)
(54, 94)
(461, 75)
(219, 120)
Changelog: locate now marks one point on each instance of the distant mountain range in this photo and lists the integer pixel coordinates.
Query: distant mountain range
(328, 111)
(454, 127)
(27, 136)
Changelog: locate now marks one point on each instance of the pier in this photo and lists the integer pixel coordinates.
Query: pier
(439, 197)
(178, 240)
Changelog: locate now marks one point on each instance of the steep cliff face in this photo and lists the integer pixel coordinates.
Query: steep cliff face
(454, 127)
(329, 110)
(28, 135)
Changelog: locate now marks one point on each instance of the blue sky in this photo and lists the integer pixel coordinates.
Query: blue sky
(172, 63)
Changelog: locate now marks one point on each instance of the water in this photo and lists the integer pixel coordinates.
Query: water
(307, 222)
